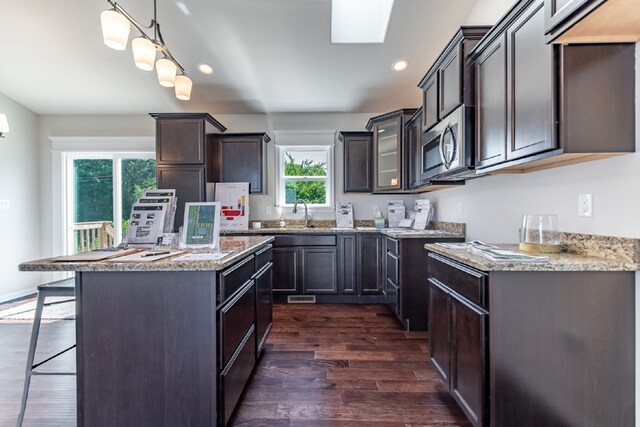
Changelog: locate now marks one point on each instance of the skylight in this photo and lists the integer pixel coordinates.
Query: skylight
(360, 21)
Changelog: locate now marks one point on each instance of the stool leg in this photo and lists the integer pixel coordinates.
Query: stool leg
(35, 330)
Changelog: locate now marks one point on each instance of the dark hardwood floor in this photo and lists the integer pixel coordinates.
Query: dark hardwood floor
(324, 365)
(345, 365)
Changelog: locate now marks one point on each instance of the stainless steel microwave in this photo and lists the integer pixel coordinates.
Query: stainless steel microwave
(446, 149)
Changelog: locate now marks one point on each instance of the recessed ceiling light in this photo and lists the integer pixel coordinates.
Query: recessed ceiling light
(360, 21)
(205, 68)
(400, 65)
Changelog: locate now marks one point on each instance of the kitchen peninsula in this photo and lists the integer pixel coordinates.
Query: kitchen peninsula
(165, 342)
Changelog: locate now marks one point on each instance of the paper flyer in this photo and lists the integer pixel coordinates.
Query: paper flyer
(234, 200)
(166, 192)
(395, 212)
(344, 215)
(146, 223)
(168, 202)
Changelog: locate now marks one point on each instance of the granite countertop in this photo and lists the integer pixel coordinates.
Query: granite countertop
(563, 261)
(397, 233)
(241, 246)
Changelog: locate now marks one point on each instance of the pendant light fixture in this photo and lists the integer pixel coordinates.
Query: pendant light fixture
(116, 25)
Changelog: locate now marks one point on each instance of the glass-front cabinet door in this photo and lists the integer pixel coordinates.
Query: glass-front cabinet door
(388, 135)
(389, 154)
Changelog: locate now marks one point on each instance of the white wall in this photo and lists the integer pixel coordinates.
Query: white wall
(20, 233)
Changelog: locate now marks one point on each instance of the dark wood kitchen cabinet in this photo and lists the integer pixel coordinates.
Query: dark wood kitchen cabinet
(449, 81)
(369, 264)
(388, 150)
(238, 157)
(319, 270)
(406, 272)
(360, 277)
(591, 21)
(264, 296)
(506, 364)
(413, 160)
(357, 161)
(458, 324)
(491, 106)
(534, 102)
(305, 264)
(181, 155)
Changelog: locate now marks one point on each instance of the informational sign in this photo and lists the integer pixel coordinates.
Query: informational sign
(234, 201)
(395, 212)
(146, 223)
(344, 215)
(201, 225)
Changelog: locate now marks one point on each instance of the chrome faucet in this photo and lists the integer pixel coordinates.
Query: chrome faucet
(306, 214)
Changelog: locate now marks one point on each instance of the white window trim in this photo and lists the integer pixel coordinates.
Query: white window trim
(330, 178)
(61, 148)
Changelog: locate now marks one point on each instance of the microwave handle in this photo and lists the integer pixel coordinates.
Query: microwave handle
(445, 163)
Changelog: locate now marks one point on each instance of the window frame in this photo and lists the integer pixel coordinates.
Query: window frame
(329, 206)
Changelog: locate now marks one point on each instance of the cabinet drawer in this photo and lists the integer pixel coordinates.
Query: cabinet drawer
(235, 376)
(233, 278)
(392, 267)
(235, 320)
(462, 279)
(305, 240)
(263, 257)
(392, 245)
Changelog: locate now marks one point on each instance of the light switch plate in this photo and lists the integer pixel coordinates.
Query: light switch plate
(5, 204)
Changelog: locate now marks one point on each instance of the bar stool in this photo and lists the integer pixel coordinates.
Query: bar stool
(60, 288)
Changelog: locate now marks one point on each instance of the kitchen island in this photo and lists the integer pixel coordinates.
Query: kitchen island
(168, 343)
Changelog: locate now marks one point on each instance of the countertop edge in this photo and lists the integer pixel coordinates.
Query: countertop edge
(161, 265)
(557, 262)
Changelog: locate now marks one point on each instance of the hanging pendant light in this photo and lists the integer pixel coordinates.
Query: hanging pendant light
(115, 29)
(183, 87)
(116, 24)
(166, 72)
(144, 53)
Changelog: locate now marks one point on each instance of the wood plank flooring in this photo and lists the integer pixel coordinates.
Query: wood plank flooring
(345, 365)
(324, 365)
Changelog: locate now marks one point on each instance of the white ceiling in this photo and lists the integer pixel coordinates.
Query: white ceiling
(268, 55)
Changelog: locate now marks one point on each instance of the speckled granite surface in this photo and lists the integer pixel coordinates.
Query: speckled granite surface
(242, 246)
(440, 230)
(582, 254)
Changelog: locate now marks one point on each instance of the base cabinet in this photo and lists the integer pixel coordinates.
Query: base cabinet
(264, 305)
(534, 348)
(458, 334)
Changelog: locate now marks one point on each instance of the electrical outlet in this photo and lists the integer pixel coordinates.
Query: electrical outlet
(460, 208)
(268, 210)
(585, 205)
(5, 204)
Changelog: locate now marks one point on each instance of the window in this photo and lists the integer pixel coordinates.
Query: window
(101, 190)
(305, 172)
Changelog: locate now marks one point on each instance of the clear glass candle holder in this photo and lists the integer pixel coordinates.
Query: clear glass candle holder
(540, 233)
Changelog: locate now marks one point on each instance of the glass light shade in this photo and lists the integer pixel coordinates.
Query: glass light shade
(166, 72)
(183, 87)
(144, 53)
(115, 29)
(4, 124)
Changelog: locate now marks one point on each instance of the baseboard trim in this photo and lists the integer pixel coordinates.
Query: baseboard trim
(19, 294)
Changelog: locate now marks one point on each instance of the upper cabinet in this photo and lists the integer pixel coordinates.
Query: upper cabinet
(239, 157)
(592, 21)
(540, 106)
(181, 155)
(180, 137)
(448, 83)
(388, 145)
(357, 161)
